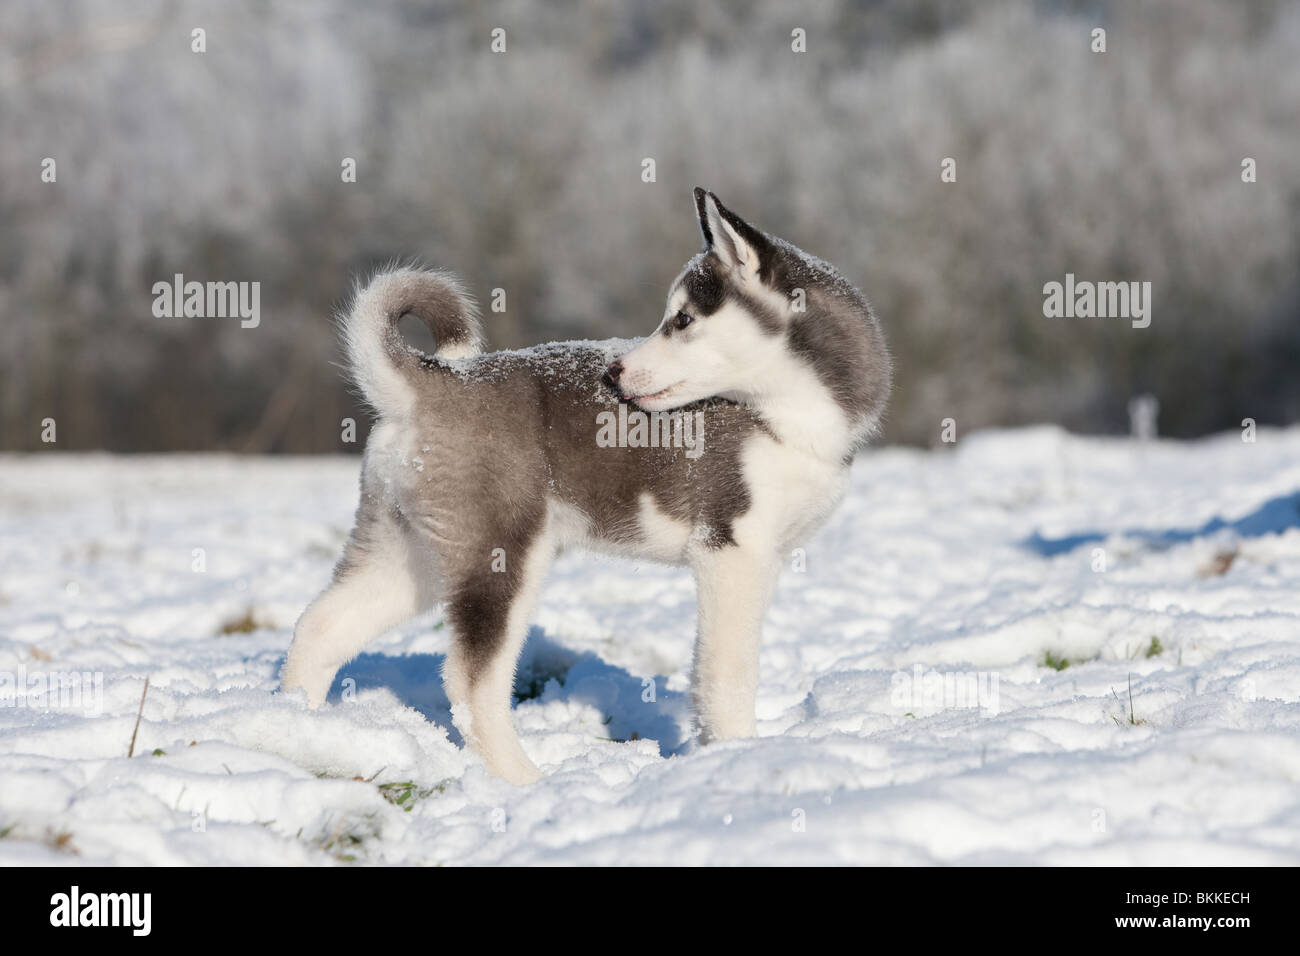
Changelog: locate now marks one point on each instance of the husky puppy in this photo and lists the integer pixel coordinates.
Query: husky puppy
(482, 466)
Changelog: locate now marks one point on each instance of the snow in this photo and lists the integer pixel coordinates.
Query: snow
(972, 562)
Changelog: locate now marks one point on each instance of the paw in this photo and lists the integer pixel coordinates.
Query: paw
(727, 727)
(520, 772)
(313, 689)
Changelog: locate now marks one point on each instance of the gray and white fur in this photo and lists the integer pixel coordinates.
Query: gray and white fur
(483, 466)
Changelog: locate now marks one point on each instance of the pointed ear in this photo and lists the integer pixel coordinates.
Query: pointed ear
(701, 210)
(737, 243)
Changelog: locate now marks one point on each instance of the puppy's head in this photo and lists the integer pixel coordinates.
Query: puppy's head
(723, 324)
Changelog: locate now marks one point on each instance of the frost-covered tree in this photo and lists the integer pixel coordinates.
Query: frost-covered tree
(522, 170)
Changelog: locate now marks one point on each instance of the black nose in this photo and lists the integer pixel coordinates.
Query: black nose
(610, 378)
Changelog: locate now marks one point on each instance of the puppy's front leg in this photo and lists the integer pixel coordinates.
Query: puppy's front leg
(735, 585)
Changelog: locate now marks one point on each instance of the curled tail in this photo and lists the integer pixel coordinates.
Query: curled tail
(379, 359)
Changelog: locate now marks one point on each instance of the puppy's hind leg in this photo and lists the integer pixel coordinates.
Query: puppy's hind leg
(489, 612)
(385, 577)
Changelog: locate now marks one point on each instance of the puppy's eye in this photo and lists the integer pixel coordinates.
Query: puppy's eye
(681, 320)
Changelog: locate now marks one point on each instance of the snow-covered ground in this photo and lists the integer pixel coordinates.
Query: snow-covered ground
(1172, 569)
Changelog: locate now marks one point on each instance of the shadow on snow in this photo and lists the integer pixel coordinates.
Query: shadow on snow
(547, 671)
(1272, 517)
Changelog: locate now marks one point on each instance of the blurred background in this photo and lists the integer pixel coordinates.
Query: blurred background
(522, 171)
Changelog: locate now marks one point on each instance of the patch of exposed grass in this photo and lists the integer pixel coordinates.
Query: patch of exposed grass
(340, 844)
(406, 794)
(1059, 662)
(621, 740)
(344, 840)
(244, 624)
(1054, 662)
(403, 793)
(59, 840)
(1132, 719)
(1221, 563)
(1155, 648)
